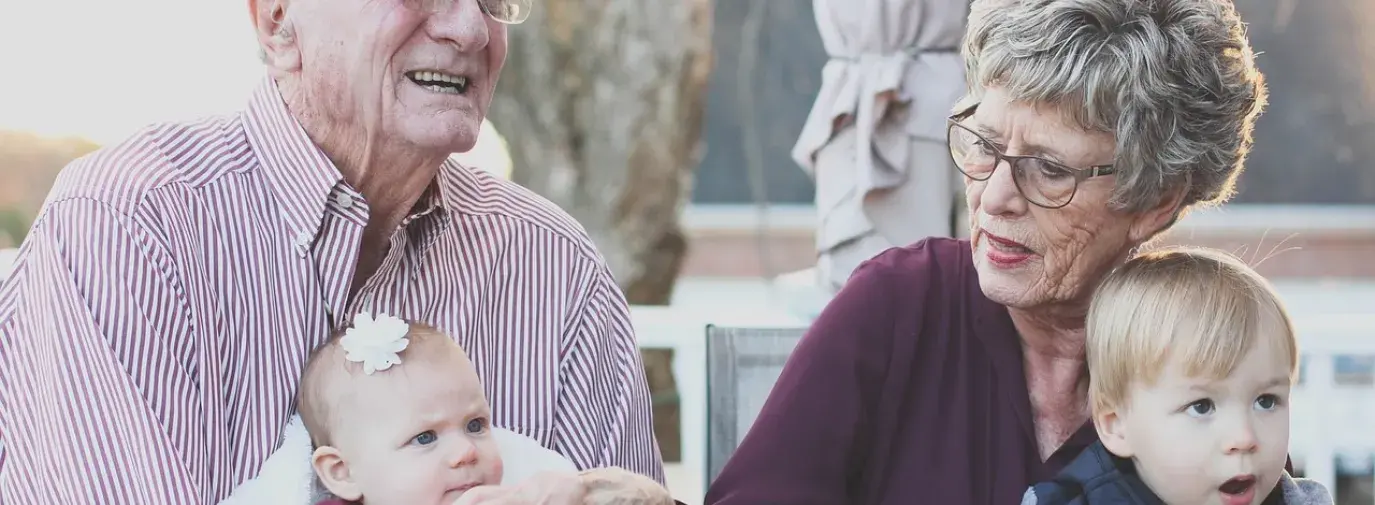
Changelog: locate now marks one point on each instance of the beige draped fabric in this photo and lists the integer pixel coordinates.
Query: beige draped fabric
(883, 176)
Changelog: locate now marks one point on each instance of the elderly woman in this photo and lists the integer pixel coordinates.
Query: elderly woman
(953, 371)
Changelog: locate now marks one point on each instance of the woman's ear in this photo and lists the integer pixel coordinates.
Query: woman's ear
(1152, 221)
(333, 472)
(276, 35)
(1113, 433)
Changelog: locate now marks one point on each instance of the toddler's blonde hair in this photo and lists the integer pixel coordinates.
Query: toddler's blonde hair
(1202, 306)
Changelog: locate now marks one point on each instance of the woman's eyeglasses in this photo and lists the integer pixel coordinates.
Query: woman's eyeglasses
(1042, 182)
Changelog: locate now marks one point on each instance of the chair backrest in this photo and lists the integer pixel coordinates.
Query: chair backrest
(742, 366)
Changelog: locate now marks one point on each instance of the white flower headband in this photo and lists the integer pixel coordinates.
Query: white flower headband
(375, 341)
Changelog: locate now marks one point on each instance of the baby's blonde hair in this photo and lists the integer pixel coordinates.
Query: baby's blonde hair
(322, 380)
(1202, 306)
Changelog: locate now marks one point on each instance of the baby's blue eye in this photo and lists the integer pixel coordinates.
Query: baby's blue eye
(476, 426)
(425, 438)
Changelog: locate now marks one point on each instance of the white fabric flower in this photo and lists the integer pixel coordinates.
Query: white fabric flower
(375, 341)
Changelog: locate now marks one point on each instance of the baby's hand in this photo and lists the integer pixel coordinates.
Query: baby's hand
(548, 488)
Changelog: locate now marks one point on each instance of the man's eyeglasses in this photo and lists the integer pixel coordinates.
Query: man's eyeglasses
(1042, 182)
(511, 12)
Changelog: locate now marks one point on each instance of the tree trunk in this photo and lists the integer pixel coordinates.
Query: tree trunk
(601, 105)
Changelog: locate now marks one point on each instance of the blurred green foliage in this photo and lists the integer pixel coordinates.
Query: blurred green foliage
(14, 225)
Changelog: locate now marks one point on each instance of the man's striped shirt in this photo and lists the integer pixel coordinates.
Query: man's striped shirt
(154, 329)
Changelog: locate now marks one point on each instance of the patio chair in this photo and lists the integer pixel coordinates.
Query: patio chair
(742, 366)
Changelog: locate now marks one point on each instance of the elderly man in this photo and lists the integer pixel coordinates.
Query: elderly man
(154, 330)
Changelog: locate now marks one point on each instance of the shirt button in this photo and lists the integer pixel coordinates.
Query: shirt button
(302, 241)
(344, 200)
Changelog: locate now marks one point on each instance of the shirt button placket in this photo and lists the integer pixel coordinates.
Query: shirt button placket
(303, 244)
(344, 200)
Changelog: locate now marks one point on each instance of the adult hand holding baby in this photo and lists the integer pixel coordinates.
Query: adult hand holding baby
(596, 486)
(545, 488)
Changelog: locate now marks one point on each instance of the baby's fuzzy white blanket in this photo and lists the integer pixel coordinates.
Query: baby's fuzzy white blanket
(288, 479)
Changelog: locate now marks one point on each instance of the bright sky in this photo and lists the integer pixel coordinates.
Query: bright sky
(102, 68)
(108, 67)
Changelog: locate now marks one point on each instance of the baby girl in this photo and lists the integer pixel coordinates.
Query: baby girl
(396, 414)
(387, 432)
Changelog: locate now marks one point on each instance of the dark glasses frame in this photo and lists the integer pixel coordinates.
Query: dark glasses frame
(1079, 174)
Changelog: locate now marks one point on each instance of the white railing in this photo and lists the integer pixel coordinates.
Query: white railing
(684, 332)
(1328, 419)
(1278, 220)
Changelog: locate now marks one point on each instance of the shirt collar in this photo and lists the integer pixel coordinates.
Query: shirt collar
(298, 172)
(430, 202)
(444, 196)
(303, 177)
(452, 181)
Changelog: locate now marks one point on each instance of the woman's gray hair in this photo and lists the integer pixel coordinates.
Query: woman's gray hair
(1174, 80)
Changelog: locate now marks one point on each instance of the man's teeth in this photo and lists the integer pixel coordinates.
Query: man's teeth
(442, 89)
(440, 82)
(438, 77)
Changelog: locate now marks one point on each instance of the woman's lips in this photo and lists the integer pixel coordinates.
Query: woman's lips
(1007, 243)
(1004, 252)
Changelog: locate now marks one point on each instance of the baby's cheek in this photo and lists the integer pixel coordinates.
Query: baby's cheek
(498, 468)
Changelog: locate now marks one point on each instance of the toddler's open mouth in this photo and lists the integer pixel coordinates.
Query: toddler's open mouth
(1239, 490)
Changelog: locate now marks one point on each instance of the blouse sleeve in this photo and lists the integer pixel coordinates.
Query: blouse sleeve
(810, 439)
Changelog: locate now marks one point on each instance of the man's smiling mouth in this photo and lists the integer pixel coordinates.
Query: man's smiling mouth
(439, 82)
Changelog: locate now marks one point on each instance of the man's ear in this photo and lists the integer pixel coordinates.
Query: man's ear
(1113, 433)
(276, 35)
(1152, 221)
(333, 472)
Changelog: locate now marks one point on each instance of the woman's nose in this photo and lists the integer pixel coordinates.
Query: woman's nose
(1000, 194)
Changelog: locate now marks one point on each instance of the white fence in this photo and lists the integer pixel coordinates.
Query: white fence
(684, 331)
(1328, 419)
(1331, 420)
